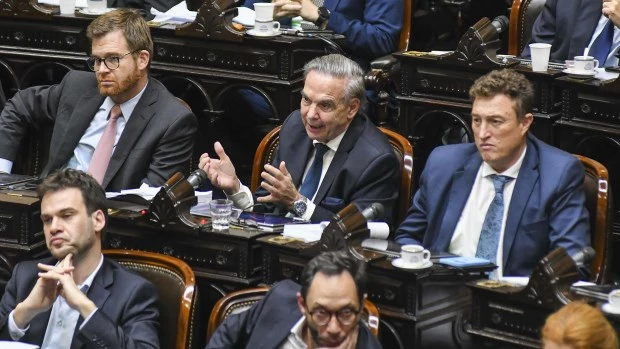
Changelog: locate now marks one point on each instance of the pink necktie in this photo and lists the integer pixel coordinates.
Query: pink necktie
(103, 152)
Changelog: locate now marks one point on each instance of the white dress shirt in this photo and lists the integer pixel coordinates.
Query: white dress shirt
(467, 232)
(612, 60)
(295, 339)
(243, 198)
(62, 321)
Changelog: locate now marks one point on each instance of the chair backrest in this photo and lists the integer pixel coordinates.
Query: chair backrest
(522, 16)
(599, 205)
(405, 32)
(268, 146)
(241, 300)
(176, 286)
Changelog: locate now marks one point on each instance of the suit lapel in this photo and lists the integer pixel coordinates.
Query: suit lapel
(76, 126)
(527, 178)
(137, 123)
(99, 294)
(297, 163)
(588, 17)
(351, 136)
(463, 178)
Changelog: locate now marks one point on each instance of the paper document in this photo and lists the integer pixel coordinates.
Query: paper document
(17, 345)
(178, 14)
(313, 232)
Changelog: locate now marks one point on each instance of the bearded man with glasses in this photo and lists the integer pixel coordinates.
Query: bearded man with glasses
(323, 312)
(118, 124)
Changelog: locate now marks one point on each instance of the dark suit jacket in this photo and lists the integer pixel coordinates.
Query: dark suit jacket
(371, 28)
(364, 169)
(127, 315)
(156, 143)
(268, 323)
(566, 25)
(547, 209)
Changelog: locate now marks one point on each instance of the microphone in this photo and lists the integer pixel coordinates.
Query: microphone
(351, 218)
(500, 23)
(584, 256)
(374, 210)
(197, 178)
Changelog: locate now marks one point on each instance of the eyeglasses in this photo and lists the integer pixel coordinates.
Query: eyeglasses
(322, 317)
(112, 62)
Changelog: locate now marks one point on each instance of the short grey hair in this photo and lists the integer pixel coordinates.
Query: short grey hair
(341, 67)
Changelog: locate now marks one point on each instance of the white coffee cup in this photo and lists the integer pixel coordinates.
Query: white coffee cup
(415, 255)
(97, 6)
(614, 300)
(540, 56)
(264, 11)
(67, 7)
(267, 28)
(584, 65)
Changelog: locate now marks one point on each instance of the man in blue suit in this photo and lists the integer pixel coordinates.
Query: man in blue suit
(542, 199)
(323, 312)
(571, 26)
(77, 298)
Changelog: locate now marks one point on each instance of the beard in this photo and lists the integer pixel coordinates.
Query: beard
(120, 86)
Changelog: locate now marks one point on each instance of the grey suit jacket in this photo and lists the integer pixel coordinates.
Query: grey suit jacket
(364, 169)
(127, 315)
(156, 143)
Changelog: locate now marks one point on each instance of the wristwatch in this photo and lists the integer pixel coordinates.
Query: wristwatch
(324, 14)
(300, 206)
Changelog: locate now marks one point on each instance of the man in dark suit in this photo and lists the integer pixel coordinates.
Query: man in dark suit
(541, 196)
(78, 297)
(571, 26)
(324, 311)
(151, 138)
(355, 164)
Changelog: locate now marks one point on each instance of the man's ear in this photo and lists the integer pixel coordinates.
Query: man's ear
(143, 59)
(98, 218)
(526, 122)
(301, 303)
(354, 107)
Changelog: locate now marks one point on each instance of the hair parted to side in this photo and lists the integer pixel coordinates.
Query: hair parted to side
(93, 194)
(580, 326)
(130, 22)
(341, 67)
(505, 82)
(334, 263)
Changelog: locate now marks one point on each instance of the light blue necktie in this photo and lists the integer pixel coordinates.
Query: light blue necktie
(602, 44)
(311, 183)
(492, 226)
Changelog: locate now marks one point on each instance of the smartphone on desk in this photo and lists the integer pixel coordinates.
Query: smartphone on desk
(464, 262)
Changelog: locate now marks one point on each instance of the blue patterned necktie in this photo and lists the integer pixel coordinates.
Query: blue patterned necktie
(311, 183)
(602, 44)
(492, 226)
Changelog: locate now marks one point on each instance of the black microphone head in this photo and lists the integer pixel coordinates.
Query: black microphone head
(378, 208)
(584, 256)
(500, 23)
(374, 210)
(197, 178)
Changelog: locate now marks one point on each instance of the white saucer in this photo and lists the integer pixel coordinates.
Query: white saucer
(400, 263)
(85, 11)
(609, 309)
(256, 33)
(579, 75)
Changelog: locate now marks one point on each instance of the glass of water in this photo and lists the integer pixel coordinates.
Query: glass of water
(221, 211)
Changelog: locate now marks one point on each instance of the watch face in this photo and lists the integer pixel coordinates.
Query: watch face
(300, 207)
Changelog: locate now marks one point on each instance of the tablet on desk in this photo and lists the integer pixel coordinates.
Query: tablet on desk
(464, 262)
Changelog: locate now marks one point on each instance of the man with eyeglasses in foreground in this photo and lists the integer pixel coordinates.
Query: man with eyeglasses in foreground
(324, 311)
(118, 124)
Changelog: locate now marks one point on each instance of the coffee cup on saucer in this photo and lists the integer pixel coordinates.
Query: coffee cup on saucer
(264, 25)
(584, 65)
(266, 28)
(614, 302)
(414, 255)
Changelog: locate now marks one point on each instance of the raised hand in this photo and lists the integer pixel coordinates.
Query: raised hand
(221, 172)
(279, 183)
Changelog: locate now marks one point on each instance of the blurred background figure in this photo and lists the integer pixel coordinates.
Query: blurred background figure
(578, 326)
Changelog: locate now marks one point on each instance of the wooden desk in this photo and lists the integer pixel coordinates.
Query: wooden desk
(419, 309)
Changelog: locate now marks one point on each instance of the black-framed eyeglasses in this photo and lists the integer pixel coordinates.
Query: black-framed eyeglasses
(112, 62)
(346, 316)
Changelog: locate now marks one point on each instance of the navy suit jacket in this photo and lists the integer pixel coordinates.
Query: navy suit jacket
(547, 208)
(364, 169)
(127, 315)
(371, 27)
(567, 25)
(156, 143)
(268, 323)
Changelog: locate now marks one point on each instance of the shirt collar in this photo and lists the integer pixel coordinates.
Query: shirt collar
(297, 330)
(89, 280)
(334, 143)
(512, 171)
(127, 107)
